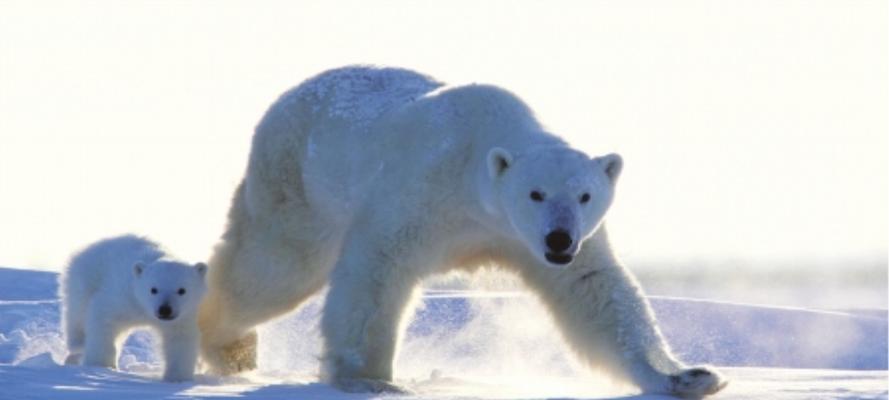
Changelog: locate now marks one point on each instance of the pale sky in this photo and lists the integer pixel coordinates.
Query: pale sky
(752, 130)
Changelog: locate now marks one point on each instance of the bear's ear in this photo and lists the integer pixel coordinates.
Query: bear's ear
(611, 164)
(138, 268)
(499, 160)
(202, 269)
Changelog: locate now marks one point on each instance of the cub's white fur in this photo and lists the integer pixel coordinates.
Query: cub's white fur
(372, 179)
(126, 282)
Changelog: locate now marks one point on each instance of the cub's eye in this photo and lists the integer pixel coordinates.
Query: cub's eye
(181, 291)
(154, 290)
(537, 196)
(584, 198)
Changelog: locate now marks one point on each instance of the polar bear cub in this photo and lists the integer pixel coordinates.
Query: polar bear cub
(125, 282)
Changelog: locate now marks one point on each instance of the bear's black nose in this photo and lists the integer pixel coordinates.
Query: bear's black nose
(558, 241)
(165, 311)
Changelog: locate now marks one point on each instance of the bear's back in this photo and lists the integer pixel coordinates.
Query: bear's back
(359, 95)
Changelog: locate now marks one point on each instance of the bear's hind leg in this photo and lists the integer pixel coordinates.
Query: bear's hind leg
(75, 302)
(100, 347)
(232, 357)
(252, 280)
(76, 340)
(75, 337)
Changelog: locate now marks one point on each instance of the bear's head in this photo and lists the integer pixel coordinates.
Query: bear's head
(553, 198)
(168, 290)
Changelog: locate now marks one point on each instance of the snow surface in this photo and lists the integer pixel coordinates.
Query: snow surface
(466, 344)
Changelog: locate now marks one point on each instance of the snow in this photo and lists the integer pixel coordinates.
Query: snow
(467, 344)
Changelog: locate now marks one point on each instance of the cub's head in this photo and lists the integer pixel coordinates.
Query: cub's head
(554, 198)
(168, 290)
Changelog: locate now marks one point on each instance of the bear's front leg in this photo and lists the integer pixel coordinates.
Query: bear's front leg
(180, 347)
(370, 288)
(603, 314)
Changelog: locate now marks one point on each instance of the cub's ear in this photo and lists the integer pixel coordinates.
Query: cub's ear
(138, 268)
(611, 164)
(202, 269)
(499, 160)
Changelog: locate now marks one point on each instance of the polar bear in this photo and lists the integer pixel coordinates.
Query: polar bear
(371, 179)
(120, 283)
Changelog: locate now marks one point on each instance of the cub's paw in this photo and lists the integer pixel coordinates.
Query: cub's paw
(369, 386)
(697, 382)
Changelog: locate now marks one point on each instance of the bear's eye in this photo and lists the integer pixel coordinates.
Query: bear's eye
(181, 291)
(584, 198)
(537, 196)
(154, 290)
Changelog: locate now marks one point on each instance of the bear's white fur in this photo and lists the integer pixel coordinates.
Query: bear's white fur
(371, 179)
(125, 282)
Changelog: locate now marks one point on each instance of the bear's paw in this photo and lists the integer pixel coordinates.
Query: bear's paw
(359, 385)
(697, 382)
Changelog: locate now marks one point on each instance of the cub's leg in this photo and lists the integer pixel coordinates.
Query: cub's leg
(75, 301)
(180, 348)
(102, 330)
(75, 336)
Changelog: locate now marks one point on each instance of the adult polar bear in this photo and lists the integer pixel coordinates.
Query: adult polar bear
(375, 178)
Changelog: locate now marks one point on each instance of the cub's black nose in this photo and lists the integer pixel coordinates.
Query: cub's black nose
(165, 311)
(558, 241)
